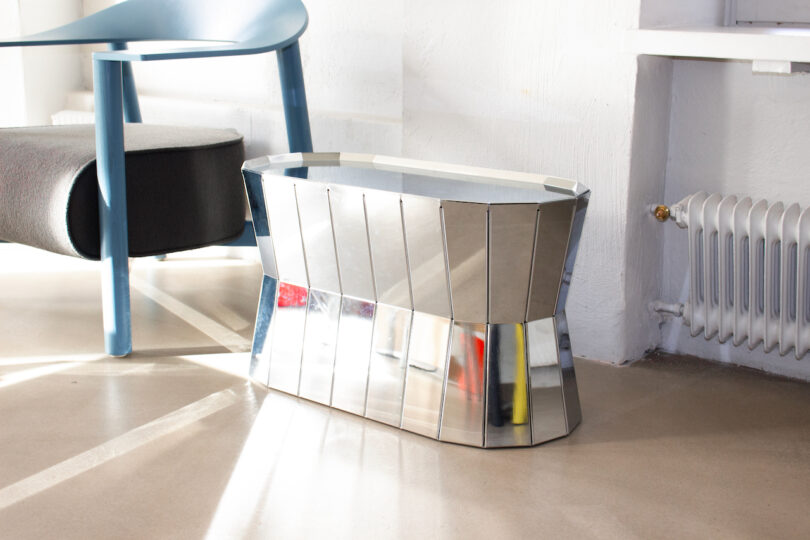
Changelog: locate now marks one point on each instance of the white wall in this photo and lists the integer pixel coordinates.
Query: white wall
(644, 237)
(732, 132)
(36, 79)
(12, 89)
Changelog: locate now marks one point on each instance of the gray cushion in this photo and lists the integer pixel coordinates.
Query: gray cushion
(184, 188)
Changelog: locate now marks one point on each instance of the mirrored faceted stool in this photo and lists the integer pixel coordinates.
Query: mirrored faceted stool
(427, 296)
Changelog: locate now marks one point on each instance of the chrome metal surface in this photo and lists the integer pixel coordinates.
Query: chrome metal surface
(316, 232)
(507, 422)
(424, 380)
(426, 255)
(550, 249)
(511, 244)
(260, 355)
(353, 351)
(545, 382)
(386, 370)
(573, 413)
(465, 228)
(463, 407)
(320, 341)
(261, 227)
(387, 241)
(282, 214)
(351, 240)
(444, 317)
(573, 247)
(285, 351)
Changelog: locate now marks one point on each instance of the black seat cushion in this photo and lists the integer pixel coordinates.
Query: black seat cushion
(184, 188)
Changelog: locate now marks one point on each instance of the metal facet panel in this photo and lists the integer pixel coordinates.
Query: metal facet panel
(426, 256)
(316, 231)
(387, 241)
(353, 351)
(386, 370)
(511, 243)
(283, 217)
(463, 409)
(573, 247)
(289, 324)
(550, 248)
(320, 340)
(573, 413)
(465, 226)
(261, 228)
(507, 387)
(260, 352)
(548, 411)
(424, 384)
(351, 240)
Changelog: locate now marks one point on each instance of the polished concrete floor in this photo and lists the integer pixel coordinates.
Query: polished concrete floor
(173, 443)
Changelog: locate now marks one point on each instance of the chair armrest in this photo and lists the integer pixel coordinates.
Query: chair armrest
(224, 49)
(275, 25)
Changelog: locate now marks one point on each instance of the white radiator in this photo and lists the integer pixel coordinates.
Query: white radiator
(748, 271)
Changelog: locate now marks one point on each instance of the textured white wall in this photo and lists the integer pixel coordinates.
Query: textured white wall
(644, 236)
(733, 132)
(36, 79)
(12, 89)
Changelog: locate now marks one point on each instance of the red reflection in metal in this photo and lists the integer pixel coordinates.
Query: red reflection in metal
(471, 378)
(291, 295)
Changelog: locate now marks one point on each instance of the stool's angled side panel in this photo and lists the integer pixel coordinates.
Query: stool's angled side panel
(260, 351)
(573, 413)
(424, 380)
(388, 363)
(551, 247)
(353, 353)
(507, 421)
(357, 310)
(465, 229)
(293, 294)
(263, 331)
(545, 381)
(323, 310)
(463, 408)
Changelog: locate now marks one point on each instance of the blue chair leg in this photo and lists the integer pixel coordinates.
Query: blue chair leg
(108, 89)
(294, 97)
(132, 109)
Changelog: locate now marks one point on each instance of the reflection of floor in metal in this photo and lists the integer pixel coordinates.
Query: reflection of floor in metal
(160, 445)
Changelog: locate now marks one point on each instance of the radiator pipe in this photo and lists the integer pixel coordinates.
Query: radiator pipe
(662, 307)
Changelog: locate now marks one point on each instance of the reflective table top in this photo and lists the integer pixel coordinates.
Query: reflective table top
(423, 178)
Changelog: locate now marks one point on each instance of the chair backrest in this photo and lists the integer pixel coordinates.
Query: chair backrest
(246, 26)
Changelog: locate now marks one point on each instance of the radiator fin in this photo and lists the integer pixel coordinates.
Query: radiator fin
(749, 271)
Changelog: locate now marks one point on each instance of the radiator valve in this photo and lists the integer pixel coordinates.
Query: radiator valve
(676, 212)
(661, 212)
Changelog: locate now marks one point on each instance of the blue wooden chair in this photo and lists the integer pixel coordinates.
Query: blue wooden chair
(240, 27)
